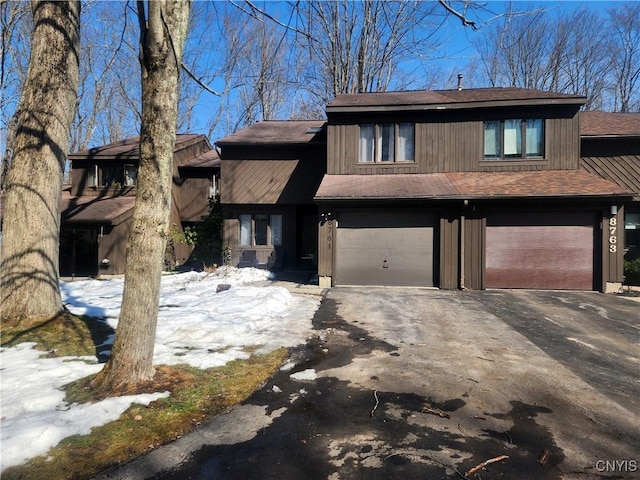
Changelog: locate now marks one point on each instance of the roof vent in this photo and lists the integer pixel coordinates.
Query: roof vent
(459, 82)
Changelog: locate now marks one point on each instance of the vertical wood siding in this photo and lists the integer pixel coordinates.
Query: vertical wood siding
(194, 199)
(449, 251)
(454, 143)
(612, 262)
(326, 246)
(474, 248)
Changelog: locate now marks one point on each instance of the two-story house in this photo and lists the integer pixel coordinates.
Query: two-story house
(97, 209)
(478, 188)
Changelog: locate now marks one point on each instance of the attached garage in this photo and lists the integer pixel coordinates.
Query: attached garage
(388, 248)
(541, 250)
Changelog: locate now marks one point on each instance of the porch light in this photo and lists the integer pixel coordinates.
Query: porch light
(614, 210)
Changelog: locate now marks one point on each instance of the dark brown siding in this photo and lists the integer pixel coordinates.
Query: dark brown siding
(194, 199)
(613, 243)
(472, 276)
(453, 141)
(326, 245)
(616, 159)
(449, 251)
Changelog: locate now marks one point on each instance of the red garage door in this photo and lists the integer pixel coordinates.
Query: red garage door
(540, 250)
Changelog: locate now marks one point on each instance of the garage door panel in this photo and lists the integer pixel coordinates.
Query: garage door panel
(558, 255)
(384, 249)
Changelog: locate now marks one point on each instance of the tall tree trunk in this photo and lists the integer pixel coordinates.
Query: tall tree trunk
(29, 289)
(162, 35)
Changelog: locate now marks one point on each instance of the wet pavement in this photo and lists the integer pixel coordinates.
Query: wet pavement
(418, 383)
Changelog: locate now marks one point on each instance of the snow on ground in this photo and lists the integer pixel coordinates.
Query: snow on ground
(196, 325)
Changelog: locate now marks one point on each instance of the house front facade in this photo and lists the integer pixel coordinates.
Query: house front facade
(478, 188)
(97, 208)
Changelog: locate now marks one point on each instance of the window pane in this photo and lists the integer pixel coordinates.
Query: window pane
(367, 137)
(261, 223)
(534, 138)
(387, 137)
(492, 139)
(92, 180)
(106, 176)
(245, 229)
(276, 230)
(130, 175)
(512, 138)
(406, 143)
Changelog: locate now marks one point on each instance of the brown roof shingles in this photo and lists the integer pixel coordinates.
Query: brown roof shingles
(129, 148)
(485, 185)
(277, 133)
(604, 124)
(96, 210)
(460, 98)
(209, 159)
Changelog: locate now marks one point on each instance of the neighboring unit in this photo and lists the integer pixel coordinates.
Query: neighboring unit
(478, 188)
(97, 210)
(611, 149)
(271, 171)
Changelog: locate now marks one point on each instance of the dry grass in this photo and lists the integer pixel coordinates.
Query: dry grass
(196, 395)
(63, 335)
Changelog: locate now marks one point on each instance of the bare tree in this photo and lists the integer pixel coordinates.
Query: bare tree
(163, 29)
(29, 290)
(358, 46)
(624, 49)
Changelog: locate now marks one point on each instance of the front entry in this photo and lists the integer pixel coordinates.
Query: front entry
(79, 252)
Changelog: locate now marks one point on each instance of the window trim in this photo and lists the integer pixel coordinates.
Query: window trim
(378, 145)
(523, 156)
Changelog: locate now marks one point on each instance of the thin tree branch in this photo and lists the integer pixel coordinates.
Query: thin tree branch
(463, 19)
(198, 81)
(255, 10)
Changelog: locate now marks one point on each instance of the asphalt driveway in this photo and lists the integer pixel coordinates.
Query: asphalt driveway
(417, 383)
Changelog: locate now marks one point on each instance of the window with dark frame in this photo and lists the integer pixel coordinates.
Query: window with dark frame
(514, 139)
(107, 175)
(260, 230)
(387, 143)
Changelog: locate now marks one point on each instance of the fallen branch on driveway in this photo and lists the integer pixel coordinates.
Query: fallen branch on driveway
(439, 413)
(473, 470)
(375, 395)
